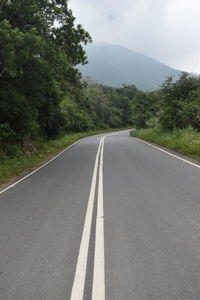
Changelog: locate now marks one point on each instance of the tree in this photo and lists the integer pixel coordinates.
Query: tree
(176, 98)
(190, 110)
(40, 47)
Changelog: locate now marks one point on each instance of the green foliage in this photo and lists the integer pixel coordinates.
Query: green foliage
(140, 110)
(172, 115)
(185, 141)
(37, 62)
(179, 101)
(111, 106)
(76, 120)
(190, 111)
(175, 105)
(152, 122)
(18, 161)
(42, 94)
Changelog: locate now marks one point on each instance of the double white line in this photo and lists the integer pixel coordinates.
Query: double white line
(98, 290)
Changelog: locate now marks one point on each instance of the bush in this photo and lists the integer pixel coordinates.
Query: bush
(185, 141)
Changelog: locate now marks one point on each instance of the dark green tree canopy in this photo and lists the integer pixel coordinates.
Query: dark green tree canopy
(39, 47)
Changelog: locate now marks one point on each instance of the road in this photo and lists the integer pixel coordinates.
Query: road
(110, 218)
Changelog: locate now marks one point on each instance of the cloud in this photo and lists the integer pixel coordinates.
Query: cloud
(167, 30)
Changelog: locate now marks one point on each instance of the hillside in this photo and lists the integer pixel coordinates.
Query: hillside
(115, 65)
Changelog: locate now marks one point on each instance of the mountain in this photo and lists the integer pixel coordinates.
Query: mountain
(114, 65)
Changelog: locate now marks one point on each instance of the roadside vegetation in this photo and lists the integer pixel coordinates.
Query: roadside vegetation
(43, 97)
(185, 141)
(32, 155)
(175, 120)
(45, 104)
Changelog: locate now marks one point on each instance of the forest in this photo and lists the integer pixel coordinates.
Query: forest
(43, 95)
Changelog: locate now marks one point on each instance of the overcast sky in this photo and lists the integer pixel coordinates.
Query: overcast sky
(167, 30)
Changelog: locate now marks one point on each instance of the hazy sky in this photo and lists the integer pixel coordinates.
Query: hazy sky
(167, 30)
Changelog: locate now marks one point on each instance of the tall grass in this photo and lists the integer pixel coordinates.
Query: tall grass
(185, 141)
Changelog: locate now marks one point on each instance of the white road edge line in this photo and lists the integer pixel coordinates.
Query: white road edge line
(173, 155)
(79, 278)
(98, 290)
(43, 165)
(48, 162)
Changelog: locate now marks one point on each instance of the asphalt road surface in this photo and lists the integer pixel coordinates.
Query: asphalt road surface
(110, 218)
